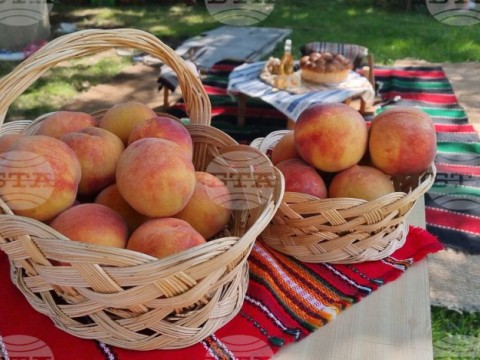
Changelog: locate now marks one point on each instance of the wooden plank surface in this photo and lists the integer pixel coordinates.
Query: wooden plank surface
(392, 323)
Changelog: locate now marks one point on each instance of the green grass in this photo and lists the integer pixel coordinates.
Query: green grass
(455, 335)
(172, 23)
(62, 83)
(389, 33)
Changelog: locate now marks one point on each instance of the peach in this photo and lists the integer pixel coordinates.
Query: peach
(155, 178)
(92, 223)
(164, 237)
(64, 122)
(98, 151)
(360, 182)
(121, 118)
(6, 140)
(110, 196)
(331, 137)
(402, 141)
(208, 210)
(39, 176)
(285, 149)
(165, 128)
(302, 177)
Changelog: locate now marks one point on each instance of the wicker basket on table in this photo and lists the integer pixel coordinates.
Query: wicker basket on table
(342, 230)
(117, 296)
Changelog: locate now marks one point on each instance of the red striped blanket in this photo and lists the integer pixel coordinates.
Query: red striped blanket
(452, 204)
(286, 301)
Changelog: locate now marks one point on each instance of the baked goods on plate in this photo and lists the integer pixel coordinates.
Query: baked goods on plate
(325, 67)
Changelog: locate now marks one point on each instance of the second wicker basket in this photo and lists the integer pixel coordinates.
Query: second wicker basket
(342, 230)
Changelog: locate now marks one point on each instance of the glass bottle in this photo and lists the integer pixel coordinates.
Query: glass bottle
(287, 63)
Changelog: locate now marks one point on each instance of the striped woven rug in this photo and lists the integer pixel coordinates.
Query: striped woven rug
(452, 205)
(261, 118)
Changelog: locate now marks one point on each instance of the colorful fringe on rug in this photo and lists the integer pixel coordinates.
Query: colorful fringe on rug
(286, 300)
(452, 205)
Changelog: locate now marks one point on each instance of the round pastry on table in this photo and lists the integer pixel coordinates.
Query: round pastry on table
(325, 67)
(273, 65)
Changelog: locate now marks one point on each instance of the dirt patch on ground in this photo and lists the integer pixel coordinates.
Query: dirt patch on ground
(465, 79)
(137, 82)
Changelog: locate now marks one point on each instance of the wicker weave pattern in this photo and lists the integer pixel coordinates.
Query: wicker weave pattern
(342, 230)
(118, 296)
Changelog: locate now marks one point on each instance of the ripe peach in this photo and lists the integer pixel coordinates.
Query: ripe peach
(64, 122)
(402, 141)
(7, 140)
(98, 151)
(155, 178)
(285, 149)
(165, 128)
(331, 137)
(360, 182)
(110, 196)
(208, 210)
(302, 177)
(92, 223)
(164, 237)
(39, 176)
(121, 118)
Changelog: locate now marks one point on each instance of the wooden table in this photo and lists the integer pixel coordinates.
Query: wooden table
(238, 43)
(244, 82)
(391, 323)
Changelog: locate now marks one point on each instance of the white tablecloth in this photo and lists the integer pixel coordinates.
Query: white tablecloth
(246, 79)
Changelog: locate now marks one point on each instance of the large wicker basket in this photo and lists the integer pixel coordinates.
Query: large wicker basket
(120, 297)
(342, 230)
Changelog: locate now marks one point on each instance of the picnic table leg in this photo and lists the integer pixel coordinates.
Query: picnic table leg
(166, 104)
(371, 72)
(290, 124)
(242, 105)
(363, 106)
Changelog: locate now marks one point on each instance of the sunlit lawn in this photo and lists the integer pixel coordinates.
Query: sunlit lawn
(389, 34)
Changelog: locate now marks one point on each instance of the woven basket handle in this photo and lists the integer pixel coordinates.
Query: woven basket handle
(87, 42)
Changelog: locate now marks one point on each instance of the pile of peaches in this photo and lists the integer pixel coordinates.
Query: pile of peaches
(125, 180)
(333, 152)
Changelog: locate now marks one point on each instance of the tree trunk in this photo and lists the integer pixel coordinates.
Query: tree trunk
(20, 26)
